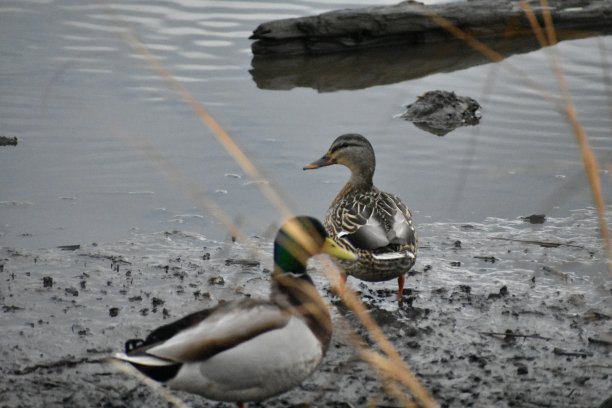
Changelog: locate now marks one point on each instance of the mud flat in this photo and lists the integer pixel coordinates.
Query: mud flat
(502, 313)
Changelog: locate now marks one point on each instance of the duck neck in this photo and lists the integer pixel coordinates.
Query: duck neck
(360, 181)
(298, 296)
(285, 261)
(361, 177)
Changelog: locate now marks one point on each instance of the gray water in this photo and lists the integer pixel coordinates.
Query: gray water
(86, 108)
(76, 95)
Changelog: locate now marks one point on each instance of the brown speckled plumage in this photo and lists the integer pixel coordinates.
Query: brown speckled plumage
(374, 224)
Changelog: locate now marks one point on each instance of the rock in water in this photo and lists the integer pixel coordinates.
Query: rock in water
(440, 112)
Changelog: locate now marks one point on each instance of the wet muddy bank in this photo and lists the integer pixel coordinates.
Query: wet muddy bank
(500, 313)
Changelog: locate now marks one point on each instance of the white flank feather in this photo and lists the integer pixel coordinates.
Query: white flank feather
(150, 361)
(393, 255)
(218, 328)
(265, 365)
(400, 225)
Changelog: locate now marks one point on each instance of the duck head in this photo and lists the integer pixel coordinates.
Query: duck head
(353, 151)
(301, 238)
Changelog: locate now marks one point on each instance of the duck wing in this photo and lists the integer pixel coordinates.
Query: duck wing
(401, 231)
(203, 334)
(374, 220)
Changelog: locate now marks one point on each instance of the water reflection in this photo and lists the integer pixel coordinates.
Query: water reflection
(382, 66)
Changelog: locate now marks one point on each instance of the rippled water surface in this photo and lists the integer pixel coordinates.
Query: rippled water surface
(110, 158)
(92, 115)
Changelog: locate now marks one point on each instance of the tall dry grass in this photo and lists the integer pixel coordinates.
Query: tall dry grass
(591, 166)
(563, 102)
(389, 363)
(398, 380)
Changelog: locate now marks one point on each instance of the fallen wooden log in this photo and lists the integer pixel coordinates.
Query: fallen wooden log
(412, 23)
(327, 63)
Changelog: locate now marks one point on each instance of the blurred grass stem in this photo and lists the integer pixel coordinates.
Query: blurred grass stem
(395, 365)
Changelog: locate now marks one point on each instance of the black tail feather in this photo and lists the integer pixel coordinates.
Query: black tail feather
(160, 374)
(133, 344)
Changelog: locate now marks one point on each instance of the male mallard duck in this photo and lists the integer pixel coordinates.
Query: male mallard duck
(249, 350)
(374, 224)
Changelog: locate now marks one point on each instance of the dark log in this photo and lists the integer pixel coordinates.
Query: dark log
(391, 44)
(412, 23)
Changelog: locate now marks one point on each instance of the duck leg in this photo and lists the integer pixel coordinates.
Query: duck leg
(400, 287)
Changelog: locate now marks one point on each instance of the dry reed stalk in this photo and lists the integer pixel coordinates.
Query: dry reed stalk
(373, 402)
(489, 53)
(605, 67)
(392, 372)
(564, 105)
(393, 365)
(172, 172)
(589, 160)
(535, 26)
(385, 369)
(406, 377)
(228, 143)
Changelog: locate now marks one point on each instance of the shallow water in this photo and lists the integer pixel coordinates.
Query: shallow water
(91, 113)
(77, 96)
(79, 100)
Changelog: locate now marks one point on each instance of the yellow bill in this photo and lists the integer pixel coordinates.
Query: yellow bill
(331, 248)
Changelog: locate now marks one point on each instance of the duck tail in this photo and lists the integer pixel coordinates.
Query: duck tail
(159, 369)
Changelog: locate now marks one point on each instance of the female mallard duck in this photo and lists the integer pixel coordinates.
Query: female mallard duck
(249, 350)
(374, 224)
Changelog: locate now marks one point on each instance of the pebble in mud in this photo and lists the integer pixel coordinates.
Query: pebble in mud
(503, 291)
(47, 282)
(216, 280)
(156, 302)
(535, 218)
(71, 291)
(522, 370)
